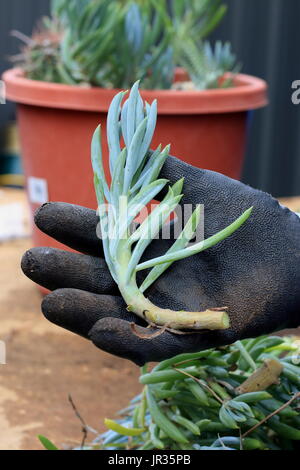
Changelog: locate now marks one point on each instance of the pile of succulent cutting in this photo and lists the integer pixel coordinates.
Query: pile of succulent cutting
(242, 397)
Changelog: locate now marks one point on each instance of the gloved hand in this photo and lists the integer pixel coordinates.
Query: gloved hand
(255, 272)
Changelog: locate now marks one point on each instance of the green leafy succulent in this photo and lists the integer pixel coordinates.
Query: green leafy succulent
(194, 20)
(192, 402)
(207, 66)
(113, 43)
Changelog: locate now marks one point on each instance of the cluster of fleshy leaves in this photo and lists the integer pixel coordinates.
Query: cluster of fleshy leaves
(135, 182)
(208, 65)
(190, 402)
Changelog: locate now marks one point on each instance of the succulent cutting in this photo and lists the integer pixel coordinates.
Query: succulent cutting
(135, 182)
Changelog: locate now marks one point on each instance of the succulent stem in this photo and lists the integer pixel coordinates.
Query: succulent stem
(137, 303)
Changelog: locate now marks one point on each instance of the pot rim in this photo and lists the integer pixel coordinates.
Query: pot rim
(248, 93)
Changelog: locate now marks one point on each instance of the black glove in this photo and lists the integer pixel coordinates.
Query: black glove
(255, 272)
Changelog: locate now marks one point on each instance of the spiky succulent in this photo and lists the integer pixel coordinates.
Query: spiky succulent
(135, 183)
(40, 54)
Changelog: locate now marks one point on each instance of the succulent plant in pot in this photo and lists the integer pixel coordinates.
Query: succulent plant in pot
(107, 44)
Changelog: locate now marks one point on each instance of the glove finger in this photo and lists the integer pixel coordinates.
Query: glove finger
(78, 311)
(72, 225)
(116, 337)
(56, 269)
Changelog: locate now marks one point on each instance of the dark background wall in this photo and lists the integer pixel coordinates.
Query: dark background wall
(266, 38)
(17, 15)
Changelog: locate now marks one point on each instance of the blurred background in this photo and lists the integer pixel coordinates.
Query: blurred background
(264, 36)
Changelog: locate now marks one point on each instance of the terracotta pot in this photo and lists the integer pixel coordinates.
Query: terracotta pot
(206, 128)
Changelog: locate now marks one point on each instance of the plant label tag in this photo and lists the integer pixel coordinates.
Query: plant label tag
(38, 190)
